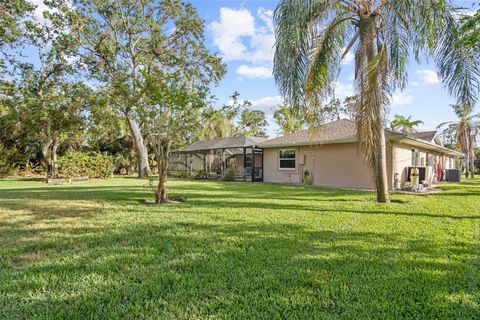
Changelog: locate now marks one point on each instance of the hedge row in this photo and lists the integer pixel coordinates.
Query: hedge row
(93, 165)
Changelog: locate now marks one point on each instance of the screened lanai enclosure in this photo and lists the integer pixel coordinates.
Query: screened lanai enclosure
(236, 158)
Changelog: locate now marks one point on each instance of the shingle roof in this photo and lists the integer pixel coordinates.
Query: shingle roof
(425, 135)
(343, 130)
(224, 143)
(333, 131)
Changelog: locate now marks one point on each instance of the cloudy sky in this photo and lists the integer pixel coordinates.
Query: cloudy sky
(242, 33)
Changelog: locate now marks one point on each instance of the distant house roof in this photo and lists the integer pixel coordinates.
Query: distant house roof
(334, 132)
(425, 135)
(224, 143)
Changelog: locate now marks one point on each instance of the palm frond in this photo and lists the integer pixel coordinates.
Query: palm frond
(325, 58)
(458, 67)
(296, 24)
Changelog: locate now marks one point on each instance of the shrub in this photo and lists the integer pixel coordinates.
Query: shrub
(6, 169)
(199, 174)
(181, 174)
(92, 165)
(230, 174)
(7, 161)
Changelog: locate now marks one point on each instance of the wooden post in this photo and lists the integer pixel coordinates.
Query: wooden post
(191, 163)
(186, 162)
(263, 164)
(244, 164)
(205, 165)
(223, 163)
(253, 164)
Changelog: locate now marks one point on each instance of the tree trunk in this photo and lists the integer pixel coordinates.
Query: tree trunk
(161, 193)
(472, 166)
(467, 164)
(381, 176)
(141, 150)
(53, 166)
(46, 158)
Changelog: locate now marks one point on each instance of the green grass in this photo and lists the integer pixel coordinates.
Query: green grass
(236, 251)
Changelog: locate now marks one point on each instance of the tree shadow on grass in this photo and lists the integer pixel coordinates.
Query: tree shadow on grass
(229, 196)
(244, 270)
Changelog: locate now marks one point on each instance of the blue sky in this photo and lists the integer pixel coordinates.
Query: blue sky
(241, 32)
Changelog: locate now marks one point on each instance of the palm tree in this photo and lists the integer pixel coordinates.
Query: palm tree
(466, 132)
(404, 124)
(312, 37)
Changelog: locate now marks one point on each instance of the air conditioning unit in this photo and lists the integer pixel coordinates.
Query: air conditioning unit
(426, 173)
(453, 175)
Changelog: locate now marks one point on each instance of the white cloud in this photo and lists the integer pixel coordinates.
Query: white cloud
(241, 37)
(228, 32)
(401, 99)
(428, 76)
(415, 83)
(344, 90)
(266, 104)
(255, 72)
(348, 57)
(40, 7)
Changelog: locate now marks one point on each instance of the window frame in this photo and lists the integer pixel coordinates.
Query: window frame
(294, 168)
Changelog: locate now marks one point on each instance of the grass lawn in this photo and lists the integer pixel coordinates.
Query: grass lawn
(236, 251)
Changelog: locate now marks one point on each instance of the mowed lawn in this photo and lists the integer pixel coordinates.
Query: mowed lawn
(236, 251)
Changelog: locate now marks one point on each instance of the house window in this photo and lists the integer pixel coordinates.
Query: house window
(286, 159)
(415, 156)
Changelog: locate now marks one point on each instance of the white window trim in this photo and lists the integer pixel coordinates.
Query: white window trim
(278, 160)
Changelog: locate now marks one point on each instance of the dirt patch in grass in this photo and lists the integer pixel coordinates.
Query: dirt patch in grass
(169, 201)
(28, 258)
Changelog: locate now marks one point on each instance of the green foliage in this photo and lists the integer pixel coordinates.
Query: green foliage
(236, 251)
(11, 14)
(122, 164)
(404, 124)
(199, 174)
(181, 174)
(92, 165)
(312, 38)
(223, 122)
(470, 31)
(230, 174)
(6, 169)
(253, 123)
(8, 161)
(288, 119)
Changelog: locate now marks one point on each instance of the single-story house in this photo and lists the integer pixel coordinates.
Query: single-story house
(332, 158)
(215, 158)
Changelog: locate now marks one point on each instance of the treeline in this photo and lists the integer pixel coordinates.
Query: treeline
(109, 84)
(128, 79)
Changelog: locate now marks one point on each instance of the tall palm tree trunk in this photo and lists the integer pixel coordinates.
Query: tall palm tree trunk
(377, 117)
(381, 176)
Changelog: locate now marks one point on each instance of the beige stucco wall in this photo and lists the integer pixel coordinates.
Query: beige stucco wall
(341, 165)
(334, 165)
(402, 159)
